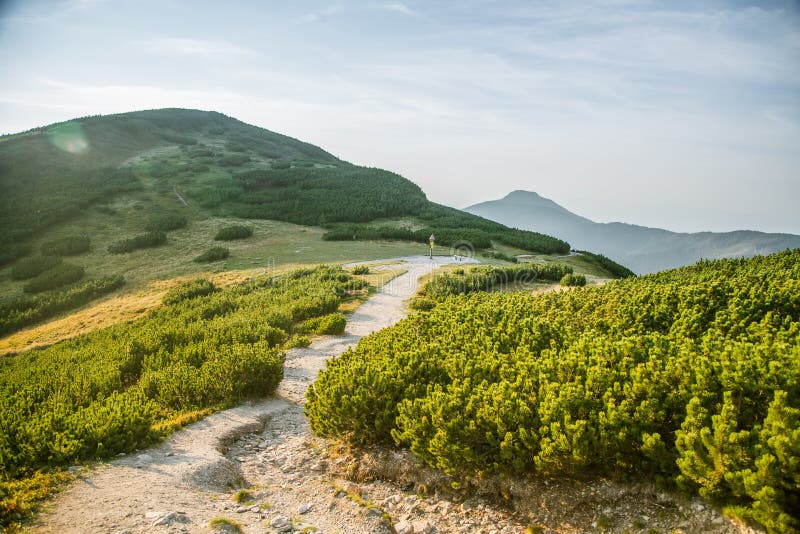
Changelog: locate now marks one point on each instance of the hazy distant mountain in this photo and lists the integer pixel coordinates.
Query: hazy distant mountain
(640, 248)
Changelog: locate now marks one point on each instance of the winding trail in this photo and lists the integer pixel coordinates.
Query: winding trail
(187, 480)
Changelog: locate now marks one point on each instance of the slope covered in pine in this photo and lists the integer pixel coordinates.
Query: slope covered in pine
(687, 377)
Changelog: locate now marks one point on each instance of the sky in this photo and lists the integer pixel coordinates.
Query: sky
(680, 115)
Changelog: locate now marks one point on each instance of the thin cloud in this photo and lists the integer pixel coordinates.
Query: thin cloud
(321, 14)
(399, 7)
(193, 47)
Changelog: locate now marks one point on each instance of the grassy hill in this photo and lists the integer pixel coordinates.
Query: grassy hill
(141, 195)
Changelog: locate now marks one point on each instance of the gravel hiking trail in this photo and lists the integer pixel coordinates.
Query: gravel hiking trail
(186, 481)
(296, 482)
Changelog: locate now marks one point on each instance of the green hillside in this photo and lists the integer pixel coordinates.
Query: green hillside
(98, 203)
(689, 377)
(221, 165)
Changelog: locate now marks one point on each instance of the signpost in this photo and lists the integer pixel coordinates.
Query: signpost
(432, 241)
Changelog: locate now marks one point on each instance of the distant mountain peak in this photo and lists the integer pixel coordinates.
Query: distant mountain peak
(529, 199)
(640, 248)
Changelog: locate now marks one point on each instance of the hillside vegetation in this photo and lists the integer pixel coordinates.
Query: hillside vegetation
(689, 377)
(226, 167)
(134, 194)
(120, 388)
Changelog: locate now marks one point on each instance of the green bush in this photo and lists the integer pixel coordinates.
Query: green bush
(331, 324)
(235, 231)
(501, 256)
(11, 253)
(458, 282)
(30, 310)
(573, 280)
(299, 341)
(164, 222)
(360, 269)
(148, 240)
(59, 276)
(67, 246)
(422, 304)
(213, 254)
(199, 287)
(34, 266)
(234, 160)
(687, 377)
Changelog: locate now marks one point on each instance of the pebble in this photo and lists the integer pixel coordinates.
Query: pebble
(166, 520)
(422, 527)
(281, 523)
(319, 466)
(403, 527)
(304, 508)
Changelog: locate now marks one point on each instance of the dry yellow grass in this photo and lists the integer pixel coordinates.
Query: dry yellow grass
(115, 309)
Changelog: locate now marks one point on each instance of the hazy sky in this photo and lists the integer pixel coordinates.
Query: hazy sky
(684, 115)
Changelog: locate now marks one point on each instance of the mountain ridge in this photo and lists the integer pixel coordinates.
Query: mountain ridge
(644, 249)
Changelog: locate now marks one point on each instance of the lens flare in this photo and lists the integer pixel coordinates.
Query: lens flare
(69, 137)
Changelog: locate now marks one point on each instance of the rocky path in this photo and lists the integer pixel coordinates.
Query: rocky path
(190, 479)
(258, 469)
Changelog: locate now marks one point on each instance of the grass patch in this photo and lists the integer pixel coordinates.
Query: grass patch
(168, 426)
(223, 524)
(19, 499)
(242, 496)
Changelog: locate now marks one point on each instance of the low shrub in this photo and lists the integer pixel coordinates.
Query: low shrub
(29, 310)
(298, 342)
(422, 304)
(188, 290)
(331, 324)
(58, 276)
(234, 160)
(148, 240)
(164, 222)
(501, 256)
(360, 269)
(71, 245)
(235, 231)
(11, 253)
(34, 266)
(573, 280)
(213, 254)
